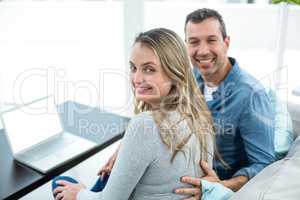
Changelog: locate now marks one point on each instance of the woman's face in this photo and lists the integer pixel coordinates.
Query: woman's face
(149, 81)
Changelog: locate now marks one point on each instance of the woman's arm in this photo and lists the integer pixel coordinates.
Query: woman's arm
(137, 152)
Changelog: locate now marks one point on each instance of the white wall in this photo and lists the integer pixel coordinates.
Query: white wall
(73, 50)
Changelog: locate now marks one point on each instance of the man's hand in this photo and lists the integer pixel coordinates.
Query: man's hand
(67, 190)
(106, 169)
(210, 174)
(195, 193)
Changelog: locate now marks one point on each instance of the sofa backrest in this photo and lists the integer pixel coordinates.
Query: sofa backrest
(294, 109)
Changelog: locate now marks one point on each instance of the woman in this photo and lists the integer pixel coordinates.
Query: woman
(171, 132)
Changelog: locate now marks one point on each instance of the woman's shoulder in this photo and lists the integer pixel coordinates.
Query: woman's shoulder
(143, 117)
(143, 122)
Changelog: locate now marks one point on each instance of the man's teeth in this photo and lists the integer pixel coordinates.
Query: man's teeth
(205, 61)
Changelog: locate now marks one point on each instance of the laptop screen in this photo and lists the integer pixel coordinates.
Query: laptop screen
(31, 124)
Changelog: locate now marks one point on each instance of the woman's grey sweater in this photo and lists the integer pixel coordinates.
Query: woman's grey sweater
(143, 169)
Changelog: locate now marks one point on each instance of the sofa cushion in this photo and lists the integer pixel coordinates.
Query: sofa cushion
(283, 133)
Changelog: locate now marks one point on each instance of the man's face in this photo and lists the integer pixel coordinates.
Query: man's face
(206, 47)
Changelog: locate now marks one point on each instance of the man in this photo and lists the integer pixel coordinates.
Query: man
(239, 105)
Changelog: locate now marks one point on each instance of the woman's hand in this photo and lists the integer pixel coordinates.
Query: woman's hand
(67, 190)
(106, 169)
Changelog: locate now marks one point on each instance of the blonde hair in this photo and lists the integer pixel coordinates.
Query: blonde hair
(184, 96)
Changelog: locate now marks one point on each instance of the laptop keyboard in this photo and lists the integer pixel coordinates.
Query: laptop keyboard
(48, 148)
(56, 152)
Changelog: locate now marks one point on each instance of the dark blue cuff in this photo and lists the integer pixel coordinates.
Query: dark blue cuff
(100, 184)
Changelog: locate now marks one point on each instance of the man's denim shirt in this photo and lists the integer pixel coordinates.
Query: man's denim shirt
(244, 123)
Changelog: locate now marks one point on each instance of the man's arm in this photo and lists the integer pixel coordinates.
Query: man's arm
(257, 131)
(235, 183)
(195, 193)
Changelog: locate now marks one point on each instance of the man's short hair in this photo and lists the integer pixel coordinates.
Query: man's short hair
(202, 14)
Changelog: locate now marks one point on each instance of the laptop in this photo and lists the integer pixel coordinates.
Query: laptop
(36, 136)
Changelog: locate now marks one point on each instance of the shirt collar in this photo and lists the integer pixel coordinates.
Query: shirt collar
(226, 86)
